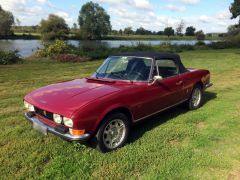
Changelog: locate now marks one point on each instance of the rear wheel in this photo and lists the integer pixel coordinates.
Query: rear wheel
(195, 100)
(113, 132)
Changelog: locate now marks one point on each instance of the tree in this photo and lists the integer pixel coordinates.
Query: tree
(120, 32)
(94, 21)
(235, 10)
(74, 26)
(169, 31)
(128, 30)
(54, 27)
(160, 33)
(142, 31)
(190, 31)
(180, 27)
(233, 30)
(6, 22)
(18, 22)
(200, 35)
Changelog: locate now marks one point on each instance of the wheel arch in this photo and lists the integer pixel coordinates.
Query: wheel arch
(114, 109)
(200, 83)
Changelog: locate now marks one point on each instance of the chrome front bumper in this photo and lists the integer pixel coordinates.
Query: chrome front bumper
(208, 85)
(67, 136)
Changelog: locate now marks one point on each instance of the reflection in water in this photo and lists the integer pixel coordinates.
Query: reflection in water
(28, 47)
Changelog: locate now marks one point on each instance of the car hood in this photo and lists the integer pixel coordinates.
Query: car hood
(64, 98)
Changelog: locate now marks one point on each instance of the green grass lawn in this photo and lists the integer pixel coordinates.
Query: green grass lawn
(177, 144)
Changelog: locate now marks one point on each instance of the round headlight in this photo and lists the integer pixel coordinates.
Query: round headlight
(28, 106)
(57, 118)
(67, 122)
(25, 104)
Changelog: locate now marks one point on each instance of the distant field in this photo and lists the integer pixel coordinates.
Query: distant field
(177, 144)
(33, 34)
(130, 37)
(156, 37)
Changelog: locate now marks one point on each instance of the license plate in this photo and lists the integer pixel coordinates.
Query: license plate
(40, 128)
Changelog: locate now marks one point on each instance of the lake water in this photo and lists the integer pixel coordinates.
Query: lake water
(28, 47)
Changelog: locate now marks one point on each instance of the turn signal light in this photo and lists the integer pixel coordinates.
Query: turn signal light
(76, 132)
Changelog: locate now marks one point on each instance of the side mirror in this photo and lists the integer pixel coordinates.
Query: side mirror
(156, 79)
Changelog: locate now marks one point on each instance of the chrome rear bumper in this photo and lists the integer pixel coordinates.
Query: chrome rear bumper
(67, 136)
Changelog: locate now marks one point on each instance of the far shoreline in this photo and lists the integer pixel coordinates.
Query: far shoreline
(36, 36)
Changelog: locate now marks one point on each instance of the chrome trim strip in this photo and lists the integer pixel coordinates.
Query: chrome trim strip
(160, 110)
(66, 136)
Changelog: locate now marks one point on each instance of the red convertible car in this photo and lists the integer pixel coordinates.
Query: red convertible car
(126, 89)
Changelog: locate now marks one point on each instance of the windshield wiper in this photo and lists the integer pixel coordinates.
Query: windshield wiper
(96, 74)
(101, 80)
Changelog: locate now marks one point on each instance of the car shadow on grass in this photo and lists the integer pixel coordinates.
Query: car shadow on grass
(150, 123)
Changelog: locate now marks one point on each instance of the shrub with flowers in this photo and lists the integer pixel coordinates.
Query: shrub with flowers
(58, 47)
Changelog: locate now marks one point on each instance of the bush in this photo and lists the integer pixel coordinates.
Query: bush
(222, 45)
(70, 58)
(10, 57)
(200, 43)
(200, 35)
(58, 47)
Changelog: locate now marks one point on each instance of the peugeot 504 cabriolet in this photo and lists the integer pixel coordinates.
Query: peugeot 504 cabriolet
(126, 89)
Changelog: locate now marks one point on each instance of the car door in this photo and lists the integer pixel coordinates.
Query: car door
(170, 88)
(165, 93)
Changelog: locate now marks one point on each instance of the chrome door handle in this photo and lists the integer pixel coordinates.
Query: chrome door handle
(179, 83)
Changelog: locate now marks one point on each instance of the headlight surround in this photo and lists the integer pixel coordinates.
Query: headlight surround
(57, 118)
(68, 122)
(28, 106)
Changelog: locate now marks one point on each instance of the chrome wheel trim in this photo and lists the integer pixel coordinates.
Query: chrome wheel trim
(196, 97)
(114, 133)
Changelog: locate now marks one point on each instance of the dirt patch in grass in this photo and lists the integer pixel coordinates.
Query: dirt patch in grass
(173, 142)
(200, 125)
(234, 175)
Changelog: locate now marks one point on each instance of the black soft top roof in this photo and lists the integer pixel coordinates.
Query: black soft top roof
(156, 56)
(153, 55)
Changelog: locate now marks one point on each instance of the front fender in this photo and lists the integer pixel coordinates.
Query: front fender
(90, 116)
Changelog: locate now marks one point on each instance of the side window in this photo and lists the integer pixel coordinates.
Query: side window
(167, 68)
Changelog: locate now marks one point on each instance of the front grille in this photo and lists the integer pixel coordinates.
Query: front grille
(44, 113)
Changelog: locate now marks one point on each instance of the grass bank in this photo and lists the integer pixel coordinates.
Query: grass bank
(177, 144)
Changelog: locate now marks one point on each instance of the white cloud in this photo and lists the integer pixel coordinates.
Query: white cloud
(139, 4)
(13, 5)
(20, 7)
(66, 16)
(143, 4)
(172, 7)
(205, 19)
(191, 2)
(225, 14)
(42, 1)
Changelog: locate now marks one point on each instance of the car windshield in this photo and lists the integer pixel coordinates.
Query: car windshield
(125, 68)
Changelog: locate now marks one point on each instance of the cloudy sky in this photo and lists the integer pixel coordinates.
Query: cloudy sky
(208, 15)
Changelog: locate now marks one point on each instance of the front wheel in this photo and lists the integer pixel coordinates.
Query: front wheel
(195, 100)
(113, 132)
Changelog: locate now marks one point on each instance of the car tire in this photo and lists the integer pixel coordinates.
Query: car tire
(112, 133)
(195, 100)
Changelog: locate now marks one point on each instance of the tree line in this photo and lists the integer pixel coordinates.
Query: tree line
(94, 23)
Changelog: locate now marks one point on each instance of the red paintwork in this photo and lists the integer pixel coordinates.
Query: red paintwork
(88, 101)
